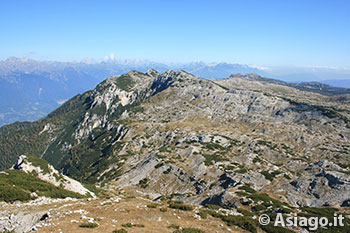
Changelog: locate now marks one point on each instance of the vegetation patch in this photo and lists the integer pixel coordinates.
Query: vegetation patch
(174, 226)
(203, 214)
(241, 170)
(143, 183)
(120, 231)
(189, 230)
(270, 176)
(213, 207)
(213, 146)
(88, 225)
(124, 82)
(133, 225)
(18, 186)
(247, 223)
(180, 206)
(38, 162)
(244, 212)
(209, 158)
(159, 165)
(247, 188)
(257, 160)
(153, 205)
(167, 171)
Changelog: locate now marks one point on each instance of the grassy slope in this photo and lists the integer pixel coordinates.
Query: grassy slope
(18, 185)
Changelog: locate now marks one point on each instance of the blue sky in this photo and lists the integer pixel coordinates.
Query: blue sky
(272, 33)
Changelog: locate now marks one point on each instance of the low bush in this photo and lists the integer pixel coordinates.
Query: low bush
(246, 223)
(189, 230)
(167, 171)
(244, 212)
(153, 205)
(174, 226)
(88, 225)
(143, 183)
(247, 188)
(180, 206)
(133, 225)
(203, 214)
(258, 208)
(159, 165)
(213, 207)
(120, 231)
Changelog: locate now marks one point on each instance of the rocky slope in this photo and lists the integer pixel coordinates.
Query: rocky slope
(240, 142)
(31, 183)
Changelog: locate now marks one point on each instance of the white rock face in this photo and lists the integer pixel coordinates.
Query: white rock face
(51, 177)
(47, 127)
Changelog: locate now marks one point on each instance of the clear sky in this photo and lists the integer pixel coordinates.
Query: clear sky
(260, 32)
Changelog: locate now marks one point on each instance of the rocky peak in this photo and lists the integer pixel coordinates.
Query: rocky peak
(152, 72)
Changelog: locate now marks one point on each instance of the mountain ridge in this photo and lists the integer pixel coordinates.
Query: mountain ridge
(252, 146)
(95, 135)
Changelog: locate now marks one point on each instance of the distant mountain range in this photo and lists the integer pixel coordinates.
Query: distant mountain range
(345, 83)
(31, 89)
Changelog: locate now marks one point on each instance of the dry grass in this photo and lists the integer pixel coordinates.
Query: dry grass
(128, 211)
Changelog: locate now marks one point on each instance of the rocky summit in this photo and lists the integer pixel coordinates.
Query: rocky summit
(231, 148)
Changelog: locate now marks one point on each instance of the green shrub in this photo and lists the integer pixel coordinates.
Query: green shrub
(120, 231)
(241, 194)
(244, 212)
(246, 223)
(152, 205)
(124, 82)
(159, 165)
(160, 156)
(258, 208)
(319, 212)
(133, 225)
(163, 209)
(167, 171)
(174, 226)
(267, 175)
(257, 159)
(267, 200)
(180, 206)
(247, 188)
(209, 158)
(143, 183)
(88, 225)
(189, 230)
(213, 146)
(203, 214)
(213, 207)
(241, 171)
